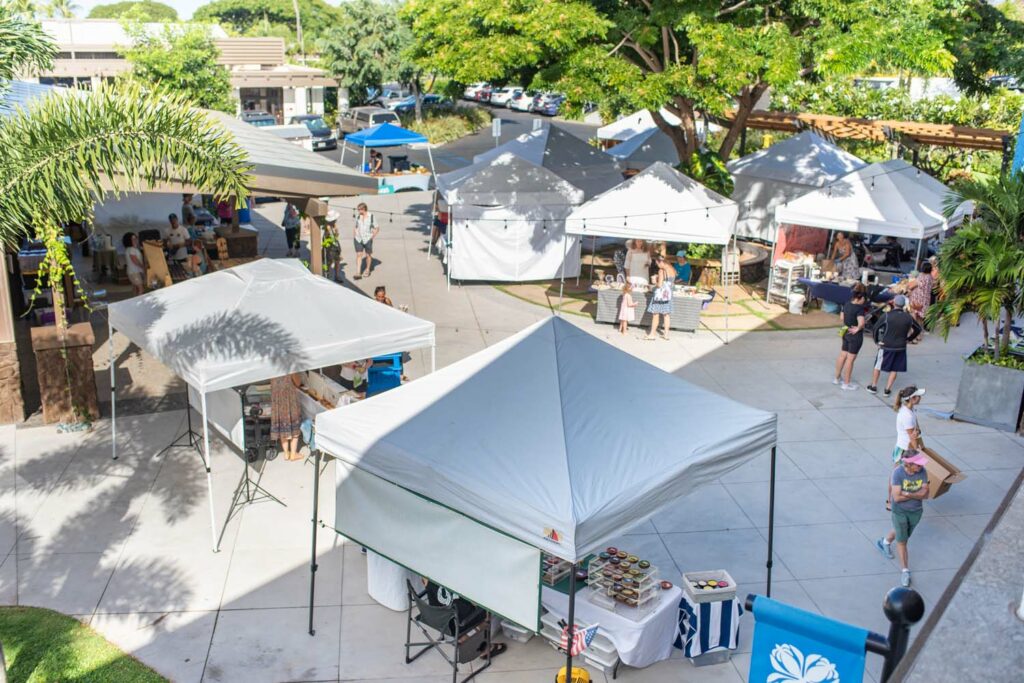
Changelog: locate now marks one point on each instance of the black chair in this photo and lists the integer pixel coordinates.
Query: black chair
(458, 641)
(398, 163)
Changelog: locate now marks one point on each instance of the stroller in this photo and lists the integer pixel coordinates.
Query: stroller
(878, 298)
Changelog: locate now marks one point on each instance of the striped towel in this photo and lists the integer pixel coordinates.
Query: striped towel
(708, 626)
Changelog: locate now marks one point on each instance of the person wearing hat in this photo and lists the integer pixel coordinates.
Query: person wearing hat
(893, 332)
(682, 267)
(332, 246)
(908, 434)
(908, 487)
(177, 238)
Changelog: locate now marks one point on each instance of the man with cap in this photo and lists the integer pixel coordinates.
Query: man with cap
(682, 267)
(177, 238)
(893, 332)
(908, 486)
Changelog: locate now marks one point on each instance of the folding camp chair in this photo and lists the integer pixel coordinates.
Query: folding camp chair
(456, 641)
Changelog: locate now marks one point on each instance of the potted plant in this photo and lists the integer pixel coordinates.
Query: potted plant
(981, 270)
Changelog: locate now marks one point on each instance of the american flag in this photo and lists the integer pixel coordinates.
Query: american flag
(581, 638)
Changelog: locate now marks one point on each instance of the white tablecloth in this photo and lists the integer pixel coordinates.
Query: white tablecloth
(639, 643)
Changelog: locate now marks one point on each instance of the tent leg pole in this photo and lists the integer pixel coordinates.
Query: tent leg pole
(771, 525)
(343, 148)
(561, 284)
(571, 624)
(113, 392)
(312, 560)
(209, 476)
(433, 358)
(917, 261)
(593, 255)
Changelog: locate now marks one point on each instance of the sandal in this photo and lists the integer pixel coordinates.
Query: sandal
(496, 649)
(648, 337)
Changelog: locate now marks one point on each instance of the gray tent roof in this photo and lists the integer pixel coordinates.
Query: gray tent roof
(504, 181)
(644, 149)
(566, 155)
(804, 159)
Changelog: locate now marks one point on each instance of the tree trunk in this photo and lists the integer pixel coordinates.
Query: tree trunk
(60, 320)
(683, 136)
(418, 98)
(744, 106)
(1006, 328)
(984, 330)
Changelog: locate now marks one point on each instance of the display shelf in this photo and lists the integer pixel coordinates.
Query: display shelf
(623, 586)
(784, 281)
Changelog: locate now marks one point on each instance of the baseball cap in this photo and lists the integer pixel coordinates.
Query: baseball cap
(915, 458)
(332, 216)
(681, 253)
(172, 217)
(900, 301)
(914, 391)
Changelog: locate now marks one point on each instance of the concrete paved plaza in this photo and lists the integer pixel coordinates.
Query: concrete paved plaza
(125, 545)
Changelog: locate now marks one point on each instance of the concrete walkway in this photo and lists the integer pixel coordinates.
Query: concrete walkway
(126, 545)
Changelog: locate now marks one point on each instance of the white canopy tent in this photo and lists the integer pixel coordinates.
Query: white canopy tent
(891, 198)
(643, 149)
(632, 125)
(659, 204)
(507, 221)
(788, 169)
(252, 323)
(565, 155)
(466, 475)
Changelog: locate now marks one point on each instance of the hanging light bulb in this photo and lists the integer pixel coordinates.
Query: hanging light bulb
(666, 217)
(872, 182)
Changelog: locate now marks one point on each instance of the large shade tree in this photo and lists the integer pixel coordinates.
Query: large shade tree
(270, 17)
(688, 57)
(363, 48)
(136, 10)
(65, 153)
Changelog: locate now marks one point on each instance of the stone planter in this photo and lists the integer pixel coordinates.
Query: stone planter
(67, 389)
(990, 395)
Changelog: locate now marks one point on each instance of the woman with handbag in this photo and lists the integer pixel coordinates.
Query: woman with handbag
(660, 305)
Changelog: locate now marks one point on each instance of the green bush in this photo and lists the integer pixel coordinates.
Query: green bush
(445, 124)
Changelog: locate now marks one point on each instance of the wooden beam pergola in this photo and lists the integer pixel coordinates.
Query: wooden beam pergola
(878, 130)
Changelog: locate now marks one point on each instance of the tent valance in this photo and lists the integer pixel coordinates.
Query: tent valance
(891, 198)
(385, 135)
(659, 204)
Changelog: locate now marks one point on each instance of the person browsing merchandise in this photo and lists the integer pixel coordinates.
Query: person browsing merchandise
(908, 488)
(177, 238)
(362, 236)
(893, 332)
(852, 316)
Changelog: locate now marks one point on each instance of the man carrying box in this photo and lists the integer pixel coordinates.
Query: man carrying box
(908, 487)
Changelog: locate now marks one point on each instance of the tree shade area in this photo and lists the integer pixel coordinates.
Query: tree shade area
(270, 18)
(41, 645)
(138, 10)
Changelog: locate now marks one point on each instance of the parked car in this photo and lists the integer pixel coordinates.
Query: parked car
(388, 96)
(483, 94)
(358, 118)
(408, 105)
(322, 135)
(1008, 82)
(549, 106)
(524, 101)
(258, 118)
(502, 96)
(470, 92)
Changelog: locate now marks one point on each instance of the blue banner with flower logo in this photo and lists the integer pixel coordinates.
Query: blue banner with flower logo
(1018, 151)
(794, 646)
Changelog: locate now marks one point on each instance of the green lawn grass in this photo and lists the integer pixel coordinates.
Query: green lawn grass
(42, 646)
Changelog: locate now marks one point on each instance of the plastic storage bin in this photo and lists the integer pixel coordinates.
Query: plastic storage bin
(515, 632)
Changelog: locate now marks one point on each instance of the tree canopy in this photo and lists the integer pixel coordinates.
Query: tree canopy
(270, 17)
(180, 59)
(137, 10)
(364, 46)
(688, 57)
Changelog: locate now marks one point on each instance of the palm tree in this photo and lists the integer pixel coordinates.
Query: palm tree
(64, 154)
(982, 265)
(61, 9)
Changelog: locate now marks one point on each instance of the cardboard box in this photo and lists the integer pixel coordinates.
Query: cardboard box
(941, 473)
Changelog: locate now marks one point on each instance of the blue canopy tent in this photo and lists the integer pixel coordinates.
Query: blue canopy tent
(384, 135)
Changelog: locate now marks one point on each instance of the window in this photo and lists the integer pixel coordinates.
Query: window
(64, 55)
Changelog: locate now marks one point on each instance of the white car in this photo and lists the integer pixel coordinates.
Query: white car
(524, 101)
(470, 92)
(502, 96)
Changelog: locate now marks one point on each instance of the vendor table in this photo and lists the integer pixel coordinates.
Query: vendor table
(241, 243)
(639, 643)
(685, 309)
(393, 182)
(836, 292)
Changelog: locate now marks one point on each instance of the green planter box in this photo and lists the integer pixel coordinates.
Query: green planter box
(990, 395)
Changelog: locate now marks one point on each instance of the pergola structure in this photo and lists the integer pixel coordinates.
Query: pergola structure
(908, 133)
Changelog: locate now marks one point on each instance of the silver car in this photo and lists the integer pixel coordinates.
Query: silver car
(358, 118)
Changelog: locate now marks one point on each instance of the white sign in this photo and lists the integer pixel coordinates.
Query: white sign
(496, 127)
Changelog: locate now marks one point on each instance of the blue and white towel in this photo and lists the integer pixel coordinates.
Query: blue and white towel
(707, 626)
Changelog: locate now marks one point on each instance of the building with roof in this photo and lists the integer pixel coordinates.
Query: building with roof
(261, 78)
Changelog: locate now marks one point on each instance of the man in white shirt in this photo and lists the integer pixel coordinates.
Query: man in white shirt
(177, 238)
(362, 236)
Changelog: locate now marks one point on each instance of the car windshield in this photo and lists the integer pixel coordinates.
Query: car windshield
(385, 118)
(263, 122)
(316, 126)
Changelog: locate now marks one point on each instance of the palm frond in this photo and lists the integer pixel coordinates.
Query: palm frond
(24, 45)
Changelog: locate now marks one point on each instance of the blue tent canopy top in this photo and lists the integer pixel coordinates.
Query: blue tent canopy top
(385, 135)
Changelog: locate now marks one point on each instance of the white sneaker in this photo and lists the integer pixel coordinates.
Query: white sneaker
(836, 381)
(905, 578)
(849, 387)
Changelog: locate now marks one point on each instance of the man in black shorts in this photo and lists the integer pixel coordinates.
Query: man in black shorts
(852, 316)
(893, 332)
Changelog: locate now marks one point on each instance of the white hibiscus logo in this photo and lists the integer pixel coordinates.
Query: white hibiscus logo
(792, 667)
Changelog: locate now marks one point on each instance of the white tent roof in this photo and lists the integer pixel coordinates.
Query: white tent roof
(643, 149)
(519, 437)
(888, 198)
(564, 154)
(804, 159)
(788, 169)
(507, 180)
(634, 124)
(657, 204)
(261, 320)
